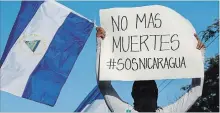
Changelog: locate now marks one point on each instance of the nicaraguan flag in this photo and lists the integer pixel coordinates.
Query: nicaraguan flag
(42, 48)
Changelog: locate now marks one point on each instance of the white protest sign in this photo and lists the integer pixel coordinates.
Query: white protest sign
(148, 43)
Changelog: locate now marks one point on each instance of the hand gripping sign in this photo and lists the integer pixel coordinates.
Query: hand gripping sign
(146, 43)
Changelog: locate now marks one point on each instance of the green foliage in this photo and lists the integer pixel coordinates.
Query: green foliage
(212, 31)
(209, 101)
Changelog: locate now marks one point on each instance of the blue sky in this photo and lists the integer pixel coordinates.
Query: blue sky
(82, 78)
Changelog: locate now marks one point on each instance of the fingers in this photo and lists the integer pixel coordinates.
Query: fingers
(100, 32)
(100, 36)
(196, 36)
(99, 29)
(200, 45)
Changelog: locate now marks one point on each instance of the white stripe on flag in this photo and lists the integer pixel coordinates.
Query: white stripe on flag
(21, 61)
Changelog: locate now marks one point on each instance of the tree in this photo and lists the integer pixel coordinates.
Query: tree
(209, 101)
(211, 33)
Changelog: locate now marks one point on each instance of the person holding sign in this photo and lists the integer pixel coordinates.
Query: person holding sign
(145, 93)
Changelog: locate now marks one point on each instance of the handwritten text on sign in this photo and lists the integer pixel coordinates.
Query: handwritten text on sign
(151, 42)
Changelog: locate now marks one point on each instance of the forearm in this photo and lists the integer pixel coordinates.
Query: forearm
(112, 99)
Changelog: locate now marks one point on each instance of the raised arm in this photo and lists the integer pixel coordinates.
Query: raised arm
(112, 99)
(187, 100)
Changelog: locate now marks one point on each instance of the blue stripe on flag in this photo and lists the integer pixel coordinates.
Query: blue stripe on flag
(48, 78)
(27, 11)
(94, 95)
